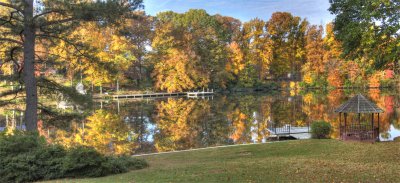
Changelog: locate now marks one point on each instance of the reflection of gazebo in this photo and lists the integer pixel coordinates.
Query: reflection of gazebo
(360, 130)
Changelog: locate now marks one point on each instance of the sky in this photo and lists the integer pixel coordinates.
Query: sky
(316, 11)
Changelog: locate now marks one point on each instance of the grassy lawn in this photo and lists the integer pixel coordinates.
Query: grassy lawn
(292, 161)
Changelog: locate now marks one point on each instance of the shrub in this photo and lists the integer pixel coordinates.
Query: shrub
(26, 157)
(83, 161)
(320, 129)
(125, 163)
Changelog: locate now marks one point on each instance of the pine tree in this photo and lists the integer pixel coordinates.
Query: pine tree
(26, 24)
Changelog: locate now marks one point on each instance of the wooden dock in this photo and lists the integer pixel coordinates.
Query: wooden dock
(196, 94)
(148, 95)
(192, 94)
(298, 132)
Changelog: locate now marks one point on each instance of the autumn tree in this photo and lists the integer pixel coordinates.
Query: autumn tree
(286, 33)
(231, 28)
(178, 73)
(25, 25)
(257, 52)
(314, 68)
(196, 35)
(236, 63)
(315, 49)
(334, 64)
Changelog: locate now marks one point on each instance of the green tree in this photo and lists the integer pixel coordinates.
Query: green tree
(139, 33)
(368, 29)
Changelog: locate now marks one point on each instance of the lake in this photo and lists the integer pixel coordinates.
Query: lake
(168, 124)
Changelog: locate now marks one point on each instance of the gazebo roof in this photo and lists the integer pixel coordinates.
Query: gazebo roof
(359, 104)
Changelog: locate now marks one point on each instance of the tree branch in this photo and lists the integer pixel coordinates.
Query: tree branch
(11, 6)
(48, 12)
(11, 40)
(57, 22)
(66, 41)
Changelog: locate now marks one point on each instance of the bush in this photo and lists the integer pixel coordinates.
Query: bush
(320, 129)
(26, 157)
(84, 162)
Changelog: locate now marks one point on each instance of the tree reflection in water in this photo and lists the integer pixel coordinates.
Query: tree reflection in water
(104, 131)
(139, 126)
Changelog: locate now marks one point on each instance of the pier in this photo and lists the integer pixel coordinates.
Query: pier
(287, 130)
(192, 94)
(196, 94)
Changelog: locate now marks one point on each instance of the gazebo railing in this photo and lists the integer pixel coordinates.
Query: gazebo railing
(361, 132)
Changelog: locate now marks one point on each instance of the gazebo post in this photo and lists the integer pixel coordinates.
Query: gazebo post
(378, 123)
(359, 118)
(340, 124)
(372, 121)
(345, 123)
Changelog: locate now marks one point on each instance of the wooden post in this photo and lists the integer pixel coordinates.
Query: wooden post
(359, 118)
(372, 121)
(345, 123)
(117, 86)
(378, 123)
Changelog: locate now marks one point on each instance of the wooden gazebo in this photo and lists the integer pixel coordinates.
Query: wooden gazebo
(359, 130)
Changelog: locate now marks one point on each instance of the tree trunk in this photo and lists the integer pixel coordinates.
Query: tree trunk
(31, 116)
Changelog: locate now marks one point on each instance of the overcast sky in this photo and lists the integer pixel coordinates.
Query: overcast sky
(316, 11)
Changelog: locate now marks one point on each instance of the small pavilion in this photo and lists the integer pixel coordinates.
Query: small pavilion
(358, 129)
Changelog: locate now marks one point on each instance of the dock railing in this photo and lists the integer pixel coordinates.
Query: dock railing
(286, 128)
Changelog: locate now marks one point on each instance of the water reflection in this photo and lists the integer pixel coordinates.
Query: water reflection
(105, 131)
(168, 124)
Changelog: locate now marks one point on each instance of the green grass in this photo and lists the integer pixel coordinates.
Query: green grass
(292, 161)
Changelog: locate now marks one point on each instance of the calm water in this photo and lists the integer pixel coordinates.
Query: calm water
(157, 125)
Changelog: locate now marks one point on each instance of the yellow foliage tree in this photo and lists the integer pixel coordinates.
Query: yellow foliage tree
(176, 72)
(236, 60)
(110, 56)
(332, 59)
